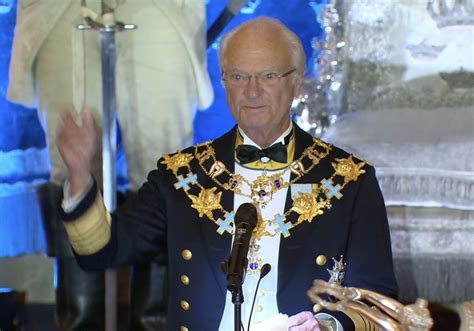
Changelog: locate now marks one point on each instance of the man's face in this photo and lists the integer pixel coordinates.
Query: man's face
(257, 107)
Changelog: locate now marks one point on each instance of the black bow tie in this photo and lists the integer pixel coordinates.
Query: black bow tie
(248, 153)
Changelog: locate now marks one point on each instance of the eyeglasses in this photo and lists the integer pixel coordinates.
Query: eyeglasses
(241, 79)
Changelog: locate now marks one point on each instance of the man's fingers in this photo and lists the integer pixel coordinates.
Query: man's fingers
(302, 321)
(87, 118)
(70, 121)
(299, 318)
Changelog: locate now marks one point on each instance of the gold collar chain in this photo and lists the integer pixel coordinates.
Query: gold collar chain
(262, 188)
(307, 204)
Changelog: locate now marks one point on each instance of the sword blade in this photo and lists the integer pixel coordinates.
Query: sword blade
(109, 130)
(109, 152)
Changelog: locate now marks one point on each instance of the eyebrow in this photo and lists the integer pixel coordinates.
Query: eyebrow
(273, 69)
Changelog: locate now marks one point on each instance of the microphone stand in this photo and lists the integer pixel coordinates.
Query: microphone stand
(237, 300)
(236, 265)
(234, 285)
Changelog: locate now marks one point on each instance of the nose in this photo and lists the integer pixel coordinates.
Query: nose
(254, 88)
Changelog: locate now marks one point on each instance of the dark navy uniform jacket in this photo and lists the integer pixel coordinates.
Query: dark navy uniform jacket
(161, 220)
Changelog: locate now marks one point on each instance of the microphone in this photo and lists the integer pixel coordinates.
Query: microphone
(245, 221)
(263, 272)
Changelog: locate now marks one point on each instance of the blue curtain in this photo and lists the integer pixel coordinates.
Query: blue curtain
(23, 159)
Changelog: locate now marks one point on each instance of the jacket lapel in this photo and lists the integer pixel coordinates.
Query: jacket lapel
(292, 247)
(218, 246)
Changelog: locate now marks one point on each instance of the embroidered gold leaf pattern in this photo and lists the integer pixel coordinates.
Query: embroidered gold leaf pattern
(348, 169)
(307, 206)
(177, 161)
(206, 202)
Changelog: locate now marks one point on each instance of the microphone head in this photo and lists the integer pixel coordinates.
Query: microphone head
(265, 270)
(246, 213)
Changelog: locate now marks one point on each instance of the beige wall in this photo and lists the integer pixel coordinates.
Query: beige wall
(31, 274)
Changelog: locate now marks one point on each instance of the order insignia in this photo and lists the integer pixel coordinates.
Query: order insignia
(297, 168)
(206, 154)
(338, 271)
(177, 161)
(217, 169)
(307, 206)
(206, 202)
(348, 169)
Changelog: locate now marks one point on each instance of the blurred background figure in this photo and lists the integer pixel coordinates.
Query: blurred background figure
(161, 80)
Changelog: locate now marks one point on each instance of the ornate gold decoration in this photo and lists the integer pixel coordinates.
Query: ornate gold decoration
(177, 161)
(265, 186)
(388, 313)
(234, 184)
(206, 154)
(261, 228)
(306, 205)
(348, 169)
(217, 169)
(206, 202)
(297, 168)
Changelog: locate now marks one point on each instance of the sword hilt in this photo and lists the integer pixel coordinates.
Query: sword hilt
(109, 26)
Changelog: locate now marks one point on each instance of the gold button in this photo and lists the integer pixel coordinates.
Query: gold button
(321, 260)
(183, 328)
(259, 308)
(185, 279)
(317, 307)
(184, 305)
(186, 254)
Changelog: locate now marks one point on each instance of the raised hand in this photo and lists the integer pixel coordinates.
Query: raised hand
(77, 143)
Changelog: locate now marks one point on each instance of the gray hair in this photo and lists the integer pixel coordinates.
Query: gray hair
(298, 56)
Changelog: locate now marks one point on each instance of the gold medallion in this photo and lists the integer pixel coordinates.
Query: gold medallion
(177, 161)
(307, 206)
(206, 202)
(348, 169)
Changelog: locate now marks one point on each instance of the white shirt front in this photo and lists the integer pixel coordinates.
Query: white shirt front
(268, 252)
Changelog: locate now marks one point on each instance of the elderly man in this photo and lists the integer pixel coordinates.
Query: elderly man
(320, 209)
